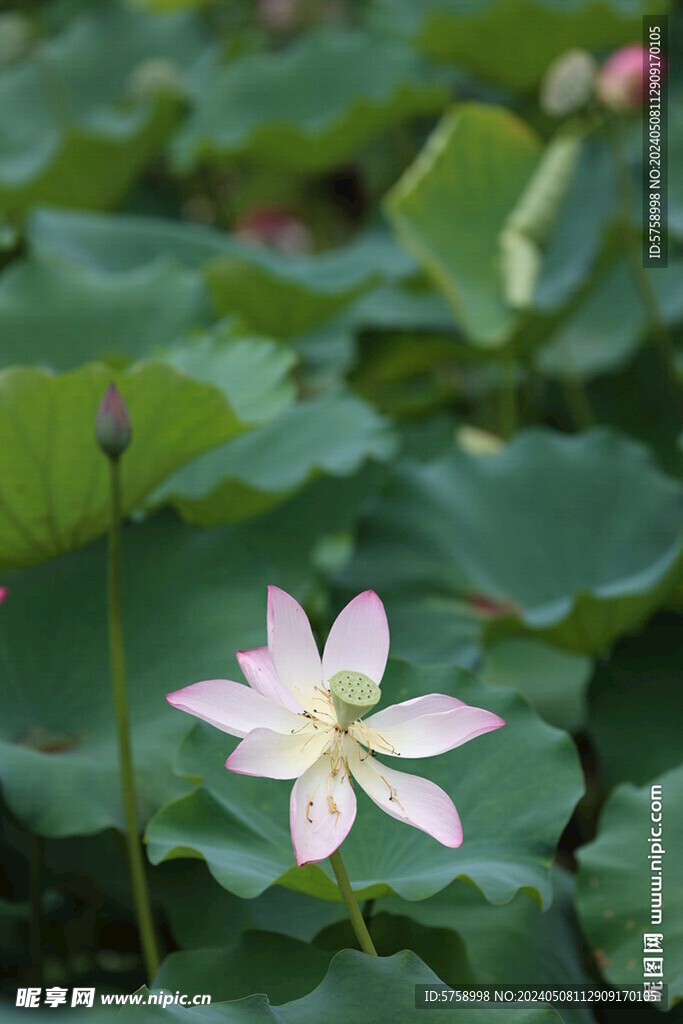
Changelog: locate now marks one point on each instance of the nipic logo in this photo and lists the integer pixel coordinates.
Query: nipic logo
(29, 998)
(653, 948)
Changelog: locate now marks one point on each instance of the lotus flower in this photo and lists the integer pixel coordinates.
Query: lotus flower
(3, 593)
(301, 718)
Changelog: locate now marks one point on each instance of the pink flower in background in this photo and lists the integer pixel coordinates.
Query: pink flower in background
(621, 81)
(276, 228)
(3, 593)
(301, 718)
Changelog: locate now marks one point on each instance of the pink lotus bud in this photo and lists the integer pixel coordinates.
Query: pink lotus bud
(620, 84)
(3, 593)
(112, 424)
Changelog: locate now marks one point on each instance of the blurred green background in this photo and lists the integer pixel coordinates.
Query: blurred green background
(369, 277)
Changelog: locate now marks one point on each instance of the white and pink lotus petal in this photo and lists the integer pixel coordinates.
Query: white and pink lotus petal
(322, 809)
(425, 726)
(359, 639)
(292, 647)
(259, 671)
(275, 755)
(302, 718)
(409, 798)
(233, 707)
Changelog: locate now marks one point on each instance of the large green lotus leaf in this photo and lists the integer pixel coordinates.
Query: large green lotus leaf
(429, 627)
(333, 434)
(513, 810)
(60, 315)
(278, 305)
(614, 885)
(275, 294)
(264, 107)
(452, 203)
(285, 968)
(115, 242)
(54, 483)
(177, 888)
(181, 886)
(71, 133)
(311, 535)
(522, 36)
(286, 296)
(552, 680)
(292, 915)
(252, 372)
(551, 951)
(540, 531)
(191, 599)
(256, 961)
(636, 693)
(356, 987)
(606, 328)
(394, 307)
(490, 946)
(587, 212)
(328, 350)
(440, 948)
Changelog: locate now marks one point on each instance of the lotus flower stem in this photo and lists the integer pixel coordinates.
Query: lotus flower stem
(136, 865)
(346, 892)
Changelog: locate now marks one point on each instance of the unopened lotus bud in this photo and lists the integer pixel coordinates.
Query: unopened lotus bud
(620, 83)
(112, 424)
(155, 78)
(353, 695)
(569, 83)
(3, 593)
(16, 36)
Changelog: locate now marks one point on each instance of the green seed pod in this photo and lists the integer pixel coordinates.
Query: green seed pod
(353, 695)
